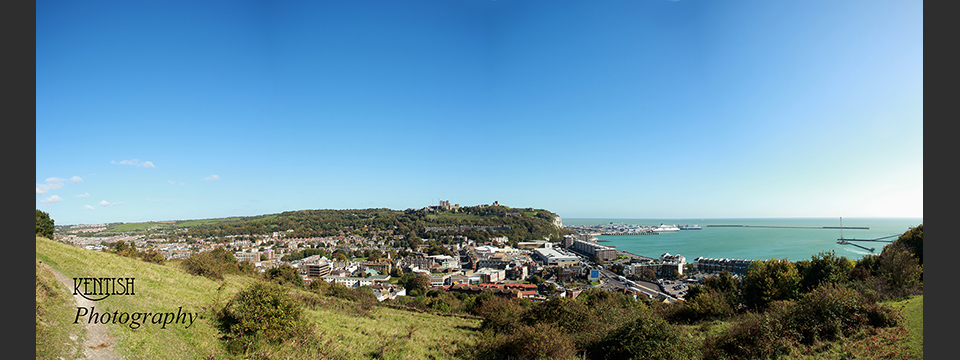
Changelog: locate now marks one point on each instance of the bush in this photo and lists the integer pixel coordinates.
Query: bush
(152, 256)
(831, 312)
(647, 337)
(261, 314)
(499, 314)
(827, 313)
(708, 305)
(284, 274)
(213, 264)
(540, 341)
(756, 336)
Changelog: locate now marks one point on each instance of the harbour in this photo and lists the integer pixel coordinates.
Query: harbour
(765, 238)
(796, 227)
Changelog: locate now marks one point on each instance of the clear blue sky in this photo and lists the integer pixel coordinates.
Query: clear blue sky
(165, 110)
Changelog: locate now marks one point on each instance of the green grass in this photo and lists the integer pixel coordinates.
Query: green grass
(179, 224)
(137, 226)
(190, 223)
(912, 310)
(158, 288)
(392, 333)
(380, 332)
(56, 336)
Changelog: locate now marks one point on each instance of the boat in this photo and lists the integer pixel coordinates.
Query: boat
(666, 228)
(690, 227)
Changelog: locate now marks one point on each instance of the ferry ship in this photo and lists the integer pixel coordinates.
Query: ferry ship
(691, 227)
(666, 228)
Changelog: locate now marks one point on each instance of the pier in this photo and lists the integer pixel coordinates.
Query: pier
(844, 242)
(796, 227)
(879, 239)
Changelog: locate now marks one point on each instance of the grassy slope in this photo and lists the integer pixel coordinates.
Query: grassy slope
(56, 335)
(912, 310)
(180, 224)
(164, 288)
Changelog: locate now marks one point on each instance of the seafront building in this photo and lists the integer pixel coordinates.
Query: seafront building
(603, 253)
(733, 266)
(587, 244)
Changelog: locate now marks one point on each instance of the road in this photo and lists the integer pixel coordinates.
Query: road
(611, 282)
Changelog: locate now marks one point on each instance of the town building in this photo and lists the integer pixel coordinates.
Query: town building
(382, 266)
(555, 257)
(355, 282)
(592, 249)
(253, 257)
(476, 290)
(488, 275)
(317, 271)
(384, 291)
(733, 266)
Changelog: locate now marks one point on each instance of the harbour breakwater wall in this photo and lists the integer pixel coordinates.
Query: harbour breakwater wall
(795, 227)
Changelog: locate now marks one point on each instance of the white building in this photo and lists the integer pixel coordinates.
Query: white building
(551, 256)
(446, 261)
(355, 282)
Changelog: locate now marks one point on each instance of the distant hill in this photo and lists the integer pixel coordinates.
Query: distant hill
(476, 222)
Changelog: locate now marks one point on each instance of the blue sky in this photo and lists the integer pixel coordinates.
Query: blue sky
(166, 110)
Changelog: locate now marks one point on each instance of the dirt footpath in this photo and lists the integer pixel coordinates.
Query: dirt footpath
(99, 344)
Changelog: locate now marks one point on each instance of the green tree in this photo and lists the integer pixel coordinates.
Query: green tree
(212, 264)
(769, 281)
(534, 279)
(912, 240)
(415, 282)
(284, 274)
(824, 268)
(152, 256)
(724, 283)
(899, 267)
(44, 224)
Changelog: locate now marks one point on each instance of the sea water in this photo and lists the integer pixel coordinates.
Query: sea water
(755, 243)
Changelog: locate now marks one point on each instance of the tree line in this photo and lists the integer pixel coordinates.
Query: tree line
(408, 224)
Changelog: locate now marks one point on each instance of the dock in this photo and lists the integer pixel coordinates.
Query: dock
(796, 227)
(844, 242)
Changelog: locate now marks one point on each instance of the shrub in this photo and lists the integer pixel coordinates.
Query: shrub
(284, 274)
(825, 314)
(830, 312)
(647, 337)
(708, 305)
(540, 341)
(261, 314)
(755, 336)
(212, 264)
(499, 314)
(152, 256)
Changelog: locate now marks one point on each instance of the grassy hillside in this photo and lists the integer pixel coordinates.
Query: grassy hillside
(165, 288)
(126, 227)
(912, 310)
(56, 335)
